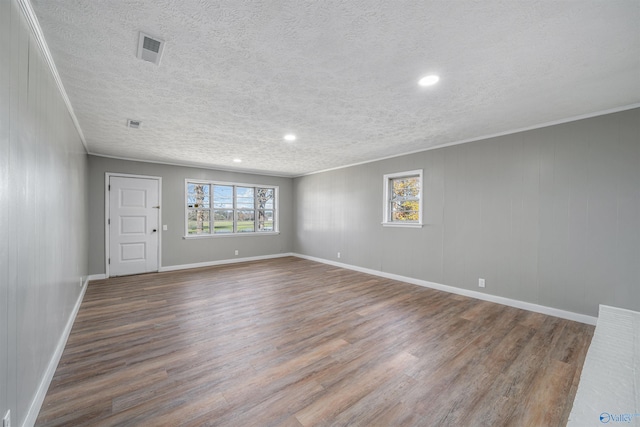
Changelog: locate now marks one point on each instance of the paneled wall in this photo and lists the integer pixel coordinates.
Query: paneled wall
(177, 251)
(549, 216)
(43, 215)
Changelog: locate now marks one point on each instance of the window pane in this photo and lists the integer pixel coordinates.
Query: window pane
(405, 199)
(223, 221)
(198, 195)
(246, 221)
(265, 220)
(407, 210)
(223, 196)
(264, 197)
(229, 208)
(245, 198)
(406, 187)
(198, 221)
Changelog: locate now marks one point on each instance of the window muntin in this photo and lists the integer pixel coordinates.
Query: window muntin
(403, 199)
(226, 208)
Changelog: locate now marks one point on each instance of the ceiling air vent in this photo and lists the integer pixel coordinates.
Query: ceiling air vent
(150, 48)
(133, 124)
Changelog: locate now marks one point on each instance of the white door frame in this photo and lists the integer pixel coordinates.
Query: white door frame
(107, 212)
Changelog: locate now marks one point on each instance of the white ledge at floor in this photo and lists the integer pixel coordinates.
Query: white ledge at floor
(609, 389)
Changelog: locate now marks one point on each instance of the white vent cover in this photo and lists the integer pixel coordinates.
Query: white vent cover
(133, 124)
(150, 48)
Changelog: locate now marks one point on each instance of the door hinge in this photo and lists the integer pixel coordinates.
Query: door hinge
(109, 221)
(109, 187)
(109, 260)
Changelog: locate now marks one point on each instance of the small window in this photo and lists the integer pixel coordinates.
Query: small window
(403, 199)
(226, 208)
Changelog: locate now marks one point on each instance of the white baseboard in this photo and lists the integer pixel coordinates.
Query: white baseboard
(38, 399)
(204, 264)
(222, 262)
(582, 318)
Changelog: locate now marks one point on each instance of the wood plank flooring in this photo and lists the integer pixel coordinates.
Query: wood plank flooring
(290, 342)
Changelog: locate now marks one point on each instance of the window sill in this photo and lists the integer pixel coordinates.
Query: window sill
(215, 236)
(398, 225)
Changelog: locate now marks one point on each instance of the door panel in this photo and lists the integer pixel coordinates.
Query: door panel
(133, 225)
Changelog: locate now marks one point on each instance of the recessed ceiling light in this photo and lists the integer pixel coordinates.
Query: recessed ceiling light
(289, 137)
(237, 160)
(428, 80)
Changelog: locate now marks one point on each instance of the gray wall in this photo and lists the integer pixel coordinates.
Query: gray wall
(43, 215)
(549, 216)
(175, 249)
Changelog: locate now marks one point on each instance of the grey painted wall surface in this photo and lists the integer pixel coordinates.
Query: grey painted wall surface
(175, 249)
(549, 216)
(43, 214)
(5, 73)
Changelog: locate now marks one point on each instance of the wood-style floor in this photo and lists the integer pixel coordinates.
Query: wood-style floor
(290, 342)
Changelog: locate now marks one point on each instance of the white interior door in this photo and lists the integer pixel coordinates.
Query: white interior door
(133, 225)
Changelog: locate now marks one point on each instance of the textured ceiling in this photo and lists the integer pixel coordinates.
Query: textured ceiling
(237, 75)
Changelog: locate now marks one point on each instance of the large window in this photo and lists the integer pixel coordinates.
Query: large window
(403, 199)
(226, 208)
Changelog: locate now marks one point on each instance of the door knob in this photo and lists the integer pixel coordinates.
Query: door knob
(154, 230)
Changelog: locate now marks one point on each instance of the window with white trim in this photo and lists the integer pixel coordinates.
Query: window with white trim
(220, 208)
(403, 199)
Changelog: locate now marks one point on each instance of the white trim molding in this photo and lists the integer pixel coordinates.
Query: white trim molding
(212, 201)
(45, 382)
(387, 220)
(223, 262)
(577, 317)
(483, 137)
(225, 235)
(36, 30)
(107, 214)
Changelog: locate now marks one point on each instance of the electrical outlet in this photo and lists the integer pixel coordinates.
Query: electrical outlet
(237, 252)
(81, 281)
(481, 283)
(6, 421)
(338, 254)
